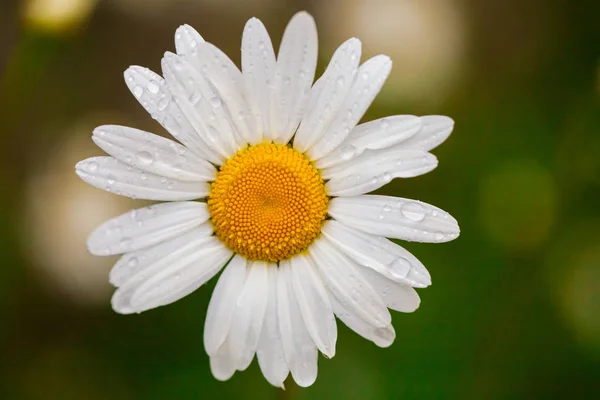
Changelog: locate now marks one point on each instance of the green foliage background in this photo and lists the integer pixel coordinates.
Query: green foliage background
(514, 310)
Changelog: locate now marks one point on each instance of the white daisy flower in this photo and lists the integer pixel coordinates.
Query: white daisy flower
(280, 169)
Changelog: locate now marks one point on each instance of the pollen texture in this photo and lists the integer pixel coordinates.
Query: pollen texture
(268, 202)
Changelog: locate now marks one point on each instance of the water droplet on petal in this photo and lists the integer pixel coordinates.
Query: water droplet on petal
(145, 158)
(215, 101)
(153, 87)
(92, 166)
(138, 91)
(348, 152)
(163, 103)
(413, 211)
(111, 179)
(340, 81)
(400, 267)
(133, 262)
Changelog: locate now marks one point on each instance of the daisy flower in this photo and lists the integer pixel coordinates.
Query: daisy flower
(279, 170)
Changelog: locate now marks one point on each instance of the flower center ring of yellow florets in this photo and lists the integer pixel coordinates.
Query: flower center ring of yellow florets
(268, 202)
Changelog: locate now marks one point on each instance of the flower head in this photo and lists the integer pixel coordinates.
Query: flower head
(280, 169)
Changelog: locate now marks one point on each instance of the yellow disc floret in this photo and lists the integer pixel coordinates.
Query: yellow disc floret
(268, 202)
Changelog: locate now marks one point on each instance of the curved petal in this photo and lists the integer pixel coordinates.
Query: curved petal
(299, 349)
(258, 68)
(314, 304)
(117, 177)
(152, 93)
(395, 217)
(344, 280)
(201, 104)
(382, 337)
(249, 315)
(367, 83)
(294, 74)
(434, 130)
(270, 350)
(378, 253)
(145, 227)
(375, 169)
(135, 262)
(374, 135)
(164, 277)
(227, 79)
(397, 296)
(222, 364)
(222, 304)
(153, 153)
(187, 40)
(327, 94)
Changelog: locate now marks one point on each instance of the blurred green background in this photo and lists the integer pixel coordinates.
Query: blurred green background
(514, 311)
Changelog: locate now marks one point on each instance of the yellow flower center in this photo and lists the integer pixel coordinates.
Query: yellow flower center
(268, 202)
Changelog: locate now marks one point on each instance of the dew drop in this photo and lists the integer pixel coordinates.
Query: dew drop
(413, 211)
(387, 208)
(348, 152)
(153, 87)
(195, 98)
(145, 158)
(340, 81)
(384, 123)
(138, 91)
(215, 102)
(133, 262)
(125, 242)
(111, 179)
(92, 166)
(213, 135)
(400, 267)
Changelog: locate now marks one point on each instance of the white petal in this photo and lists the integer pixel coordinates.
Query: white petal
(222, 364)
(153, 153)
(375, 169)
(258, 67)
(270, 350)
(201, 104)
(164, 277)
(145, 227)
(395, 217)
(373, 135)
(226, 78)
(135, 262)
(344, 280)
(249, 315)
(327, 94)
(299, 349)
(367, 83)
(397, 296)
(117, 177)
(187, 40)
(151, 91)
(378, 253)
(223, 303)
(382, 337)
(295, 72)
(314, 304)
(434, 130)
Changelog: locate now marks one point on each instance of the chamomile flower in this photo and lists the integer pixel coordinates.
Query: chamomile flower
(268, 182)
